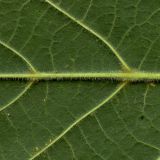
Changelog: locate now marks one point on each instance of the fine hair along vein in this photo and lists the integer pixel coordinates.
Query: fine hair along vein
(116, 75)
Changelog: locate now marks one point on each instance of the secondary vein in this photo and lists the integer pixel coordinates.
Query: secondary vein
(79, 120)
(28, 86)
(80, 23)
(19, 55)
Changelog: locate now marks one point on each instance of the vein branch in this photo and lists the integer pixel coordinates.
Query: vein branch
(79, 120)
(2, 108)
(19, 55)
(79, 22)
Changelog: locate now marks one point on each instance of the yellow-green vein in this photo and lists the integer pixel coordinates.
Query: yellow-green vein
(112, 75)
(79, 120)
(79, 22)
(17, 97)
(18, 54)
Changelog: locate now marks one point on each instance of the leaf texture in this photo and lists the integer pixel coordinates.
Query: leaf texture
(74, 119)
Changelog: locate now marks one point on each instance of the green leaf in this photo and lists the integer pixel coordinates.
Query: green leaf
(78, 80)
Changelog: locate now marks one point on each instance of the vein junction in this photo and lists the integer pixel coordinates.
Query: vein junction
(117, 75)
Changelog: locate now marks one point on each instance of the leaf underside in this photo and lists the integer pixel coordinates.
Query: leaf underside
(83, 40)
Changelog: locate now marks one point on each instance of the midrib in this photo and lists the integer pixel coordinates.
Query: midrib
(115, 75)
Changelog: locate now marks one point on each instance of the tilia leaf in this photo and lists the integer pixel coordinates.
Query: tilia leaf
(79, 80)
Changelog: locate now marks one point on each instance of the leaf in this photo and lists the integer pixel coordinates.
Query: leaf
(66, 70)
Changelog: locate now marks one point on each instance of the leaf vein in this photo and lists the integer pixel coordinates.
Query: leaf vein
(124, 64)
(18, 54)
(17, 97)
(78, 121)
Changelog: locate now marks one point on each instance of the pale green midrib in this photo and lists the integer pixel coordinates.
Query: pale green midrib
(79, 22)
(116, 91)
(115, 75)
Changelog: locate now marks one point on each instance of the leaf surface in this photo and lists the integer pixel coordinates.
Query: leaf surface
(85, 115)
